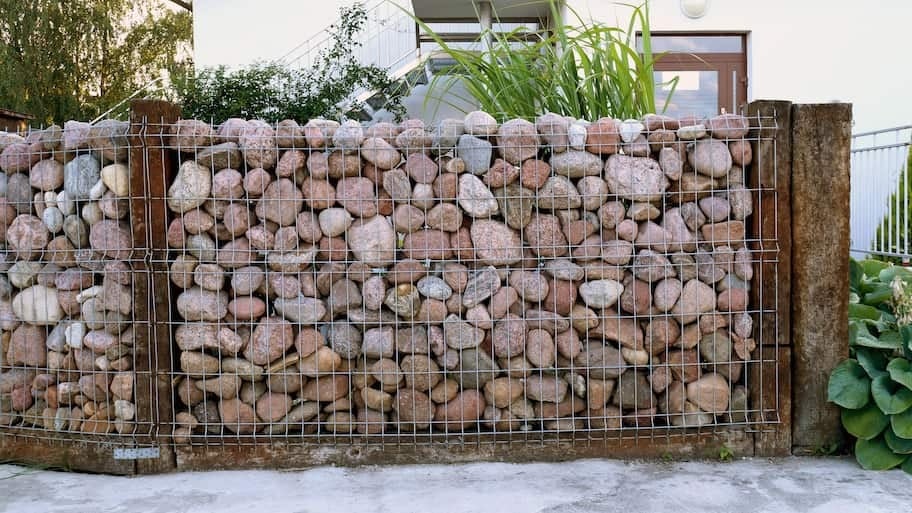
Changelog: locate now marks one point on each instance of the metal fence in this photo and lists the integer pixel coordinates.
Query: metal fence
(357, 284)
(75, 305)
(880, 193)
(368, 284)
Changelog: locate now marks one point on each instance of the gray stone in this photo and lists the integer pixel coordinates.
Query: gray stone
(475, 153)
(344, 339)
(80, 175)
(475, 368)
(671, 163)
(601, 293)
(741, 201)
(564, 269)
(554, 130)
(558, 193)
(696, 298)
(576, 164)
(480, 123)
(445, 135)
(434, 288)
(710, 157)
(459, 334)
(190, 188)
(475, 198)
(372, 241)
(635, 178)
(691, 132)
(481, 285)
(301, 309)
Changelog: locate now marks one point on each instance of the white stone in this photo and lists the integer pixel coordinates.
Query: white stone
(53, 219)
(89, 293)
(577, 136)
(38, 305)
(475, 198)
(630, 129)
(74, 334)
(601, 293)
(117, 178)
(65, 204)
(124, 409)
(98, 190)
(50, 199)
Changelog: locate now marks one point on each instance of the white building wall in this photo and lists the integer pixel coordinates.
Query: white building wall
(804, 51)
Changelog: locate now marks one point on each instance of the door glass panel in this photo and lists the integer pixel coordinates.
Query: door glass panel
(696, 93)
(694, 44)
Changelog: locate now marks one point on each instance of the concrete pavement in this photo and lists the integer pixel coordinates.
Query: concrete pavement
(831, 485)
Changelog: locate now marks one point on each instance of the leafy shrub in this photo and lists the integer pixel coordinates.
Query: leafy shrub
(873, 387)
(273, 91)
(893, 233)
(587, 71)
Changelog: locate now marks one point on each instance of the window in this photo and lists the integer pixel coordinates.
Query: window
(711, 70)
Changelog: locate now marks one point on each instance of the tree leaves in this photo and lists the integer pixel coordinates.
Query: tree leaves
(849, 385)
(76, 59)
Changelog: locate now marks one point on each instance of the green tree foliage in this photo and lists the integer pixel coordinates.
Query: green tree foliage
(893, 234)
(77, 58)
(274, 91)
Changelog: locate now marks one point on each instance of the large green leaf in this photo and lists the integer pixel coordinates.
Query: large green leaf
(896, 443)
(890, 396)
(875, 455)
(856, 273)
(886, 340)
(902, 424)
(865, 423)
(906, 333)
(900, 371)
(858, 311)
(849, 385)
(873, 361)
(907, 466)
(873, 267)
(880, 294)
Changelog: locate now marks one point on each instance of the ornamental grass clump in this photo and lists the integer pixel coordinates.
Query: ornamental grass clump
(585, 70)
(873, 387)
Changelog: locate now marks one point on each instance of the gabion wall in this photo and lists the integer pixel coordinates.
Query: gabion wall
(67, 308)
(550, 276)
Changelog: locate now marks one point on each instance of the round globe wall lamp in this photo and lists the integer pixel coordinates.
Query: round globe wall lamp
(694, 8)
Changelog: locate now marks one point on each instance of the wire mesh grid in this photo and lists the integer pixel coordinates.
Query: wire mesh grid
(515, 282)
(74, 328)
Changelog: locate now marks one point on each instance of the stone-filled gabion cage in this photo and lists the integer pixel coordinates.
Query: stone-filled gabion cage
(74, 310)
(474, 280)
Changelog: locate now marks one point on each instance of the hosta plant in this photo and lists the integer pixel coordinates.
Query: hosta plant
(873, 387)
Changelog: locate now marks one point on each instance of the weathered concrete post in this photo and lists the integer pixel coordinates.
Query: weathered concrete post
(821, 137)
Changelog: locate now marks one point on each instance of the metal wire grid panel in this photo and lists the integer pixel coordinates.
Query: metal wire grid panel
(73, 296)
(880, 192)
(518, 282)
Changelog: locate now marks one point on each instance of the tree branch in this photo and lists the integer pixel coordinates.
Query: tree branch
(185, 4)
